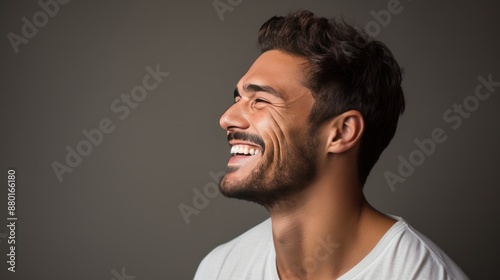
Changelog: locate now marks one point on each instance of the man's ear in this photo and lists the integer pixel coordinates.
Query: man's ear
(345, 131)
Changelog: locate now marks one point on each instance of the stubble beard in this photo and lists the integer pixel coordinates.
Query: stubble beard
(274, 185)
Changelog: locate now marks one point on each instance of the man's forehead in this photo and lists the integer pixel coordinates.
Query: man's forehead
(276, 69)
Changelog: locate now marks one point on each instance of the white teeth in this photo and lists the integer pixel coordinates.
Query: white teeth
(234, 149)
(243, 149)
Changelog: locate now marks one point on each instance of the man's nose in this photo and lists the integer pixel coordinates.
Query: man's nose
(234, 117)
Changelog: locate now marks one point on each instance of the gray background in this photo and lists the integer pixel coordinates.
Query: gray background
(119, 207)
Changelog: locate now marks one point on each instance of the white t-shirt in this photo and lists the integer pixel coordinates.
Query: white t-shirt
(402, 253)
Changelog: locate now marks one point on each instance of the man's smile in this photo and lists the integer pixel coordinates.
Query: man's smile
(246, 150)
(243, 153)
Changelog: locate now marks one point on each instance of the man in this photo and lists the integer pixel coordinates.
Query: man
(310, 119)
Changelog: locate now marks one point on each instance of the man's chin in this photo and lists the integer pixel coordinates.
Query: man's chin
(243, 189)
(233, 187)
(230, 190)
(236, 177)
(228, 185)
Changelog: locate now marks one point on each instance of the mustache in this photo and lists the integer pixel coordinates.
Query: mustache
(248, 137)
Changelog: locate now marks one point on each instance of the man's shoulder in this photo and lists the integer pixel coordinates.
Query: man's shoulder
(426, 251)
(404, 251)
(251, 247)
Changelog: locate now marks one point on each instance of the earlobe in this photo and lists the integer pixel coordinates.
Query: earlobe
(345, 131)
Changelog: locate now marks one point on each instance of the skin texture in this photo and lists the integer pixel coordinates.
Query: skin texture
(307, 181)
(286, 163)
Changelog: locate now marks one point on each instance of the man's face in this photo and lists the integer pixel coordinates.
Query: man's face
(273, 154)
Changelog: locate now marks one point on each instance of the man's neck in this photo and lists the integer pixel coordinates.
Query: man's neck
(327, 231)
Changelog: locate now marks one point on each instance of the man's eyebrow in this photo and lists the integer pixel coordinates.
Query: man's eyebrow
(262, 88)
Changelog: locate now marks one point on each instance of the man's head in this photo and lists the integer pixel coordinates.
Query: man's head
(317, 82)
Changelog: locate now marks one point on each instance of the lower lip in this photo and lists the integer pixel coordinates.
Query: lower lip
(238, 160)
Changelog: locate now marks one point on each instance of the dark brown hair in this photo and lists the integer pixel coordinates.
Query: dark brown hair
(346, 70)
